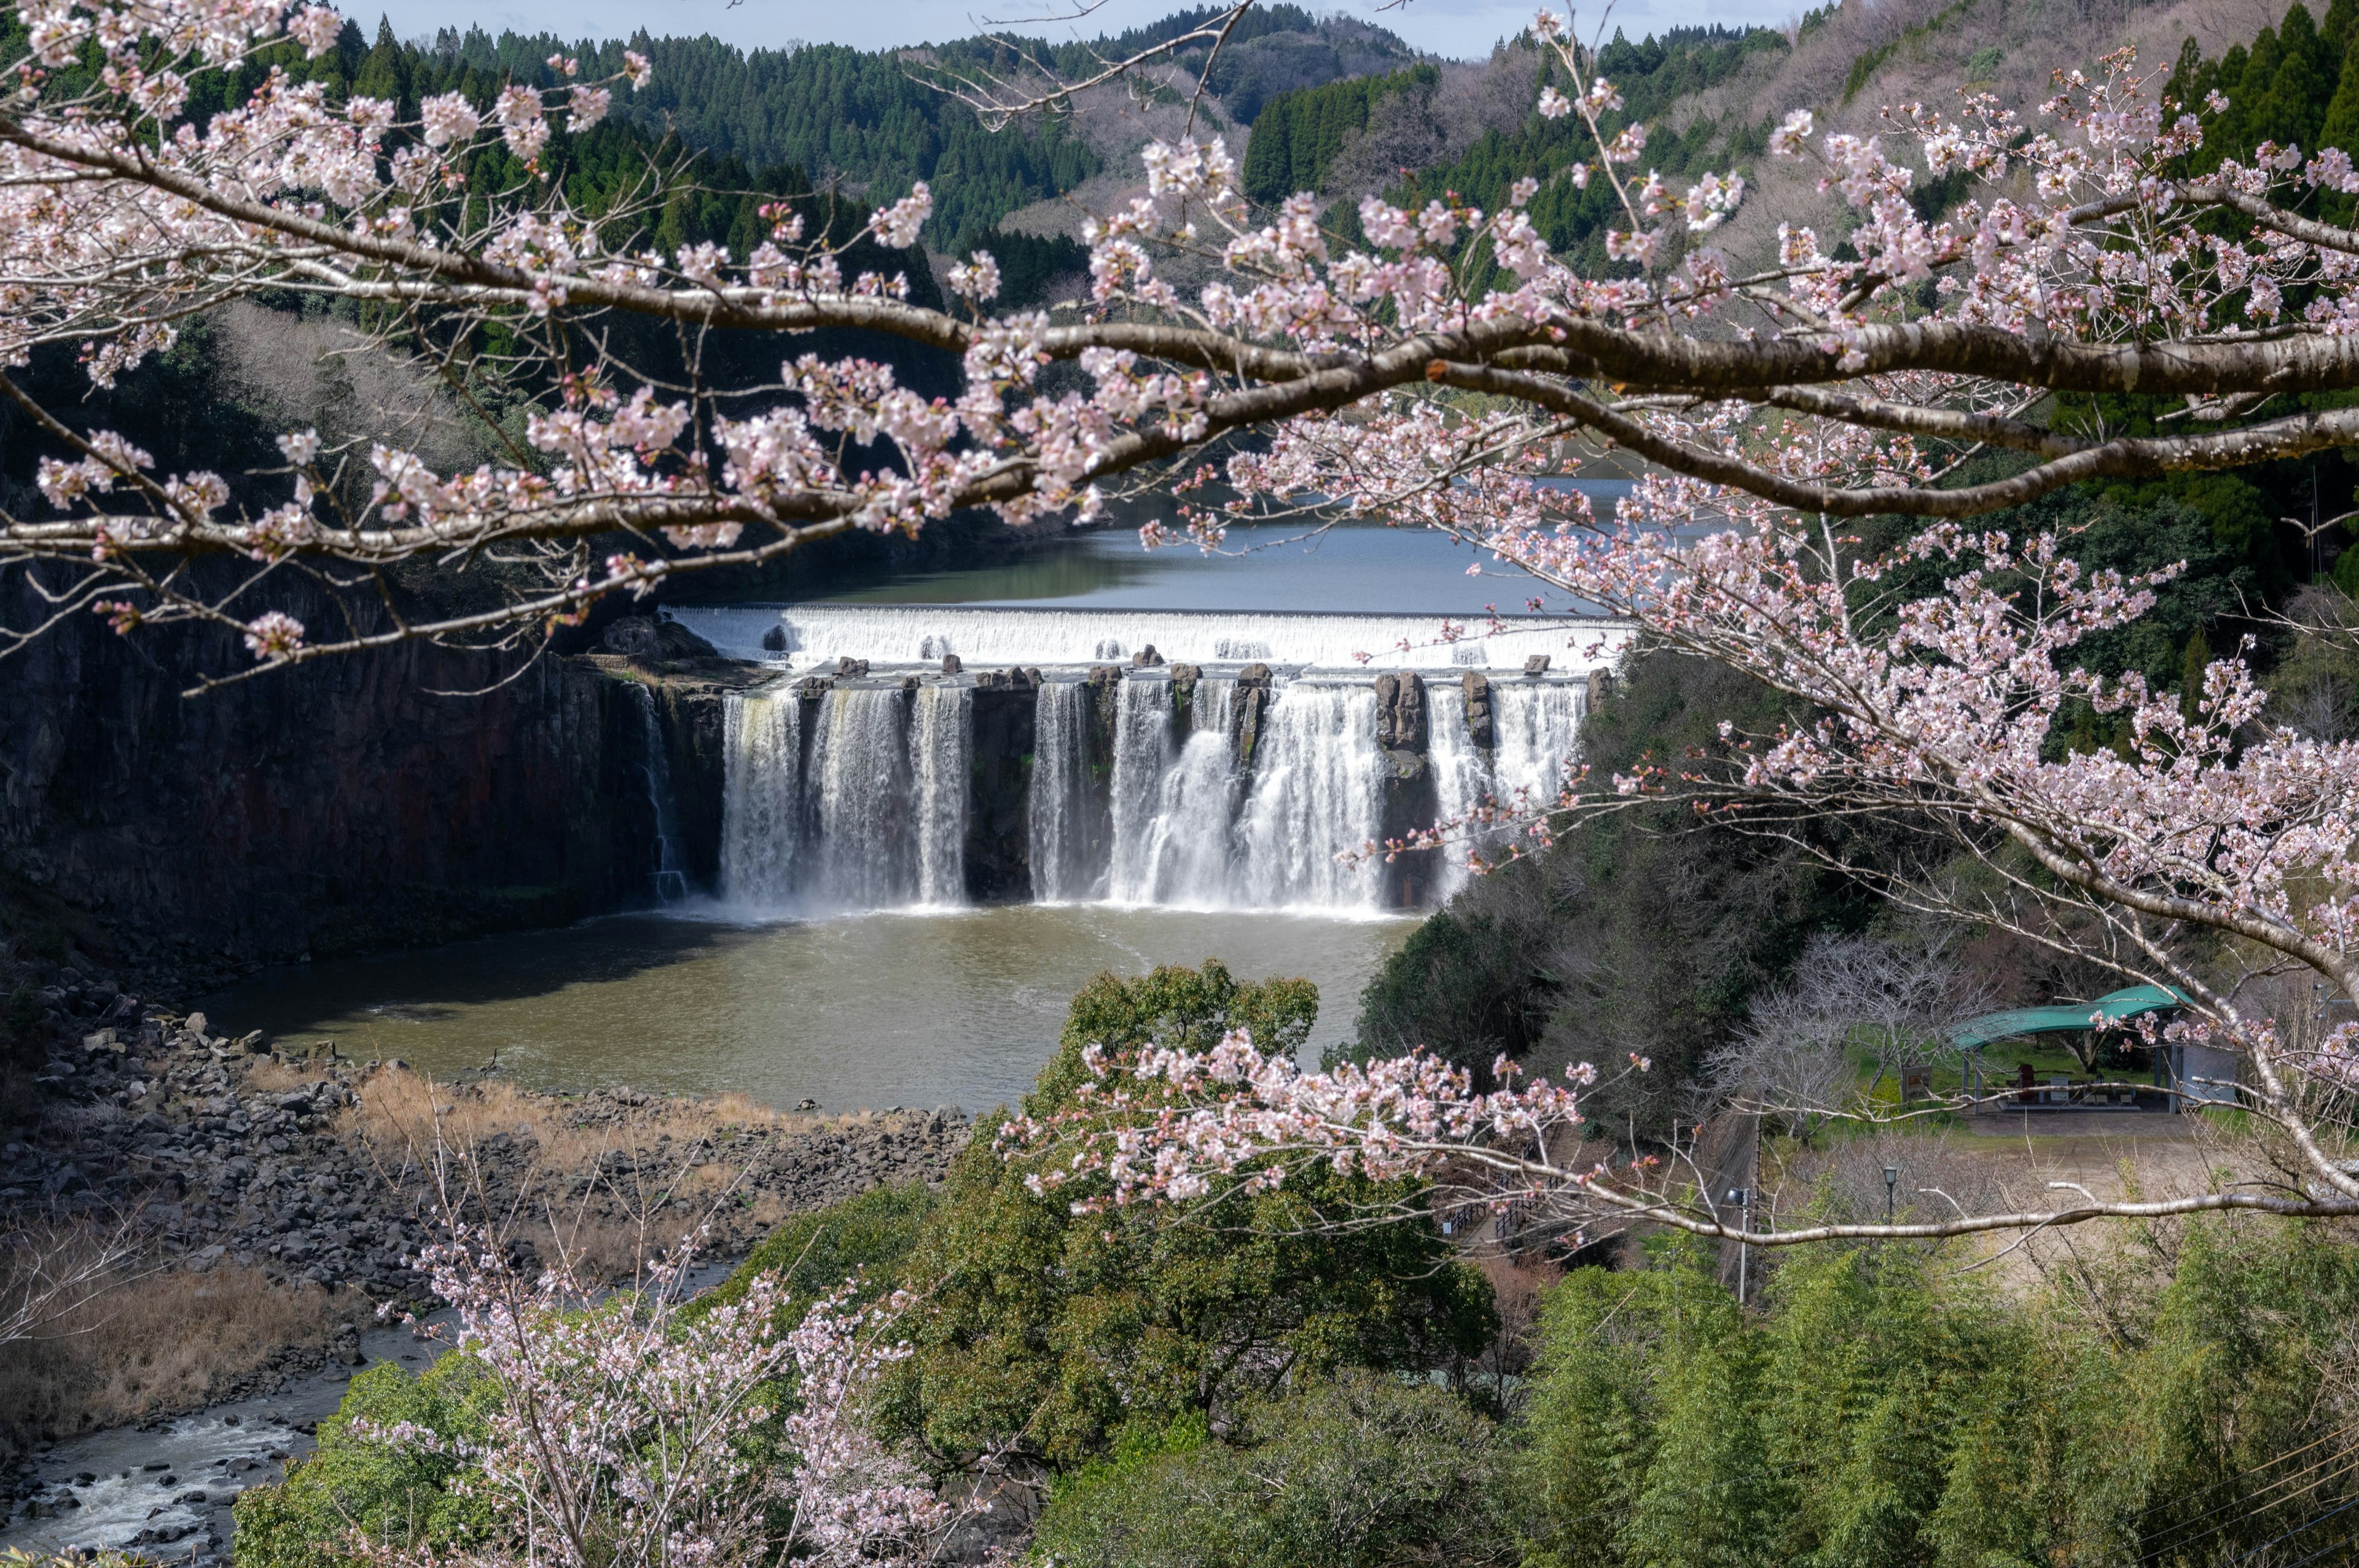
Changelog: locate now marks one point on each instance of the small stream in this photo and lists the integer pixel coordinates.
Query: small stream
(164, 1488)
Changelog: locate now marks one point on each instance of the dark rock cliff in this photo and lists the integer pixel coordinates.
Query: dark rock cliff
(396, 799)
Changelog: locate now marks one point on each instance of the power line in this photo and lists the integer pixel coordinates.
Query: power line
(2245, 1507)
(2232, 1480)
(2297, 1530)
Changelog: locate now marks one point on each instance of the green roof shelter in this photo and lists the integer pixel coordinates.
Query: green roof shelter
(2190, 1072)
(2114, 1007)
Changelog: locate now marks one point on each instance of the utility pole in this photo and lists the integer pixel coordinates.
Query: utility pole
(1743, 1198)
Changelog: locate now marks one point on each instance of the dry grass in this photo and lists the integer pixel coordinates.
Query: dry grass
(401, 1114)
(160, 1341)
(608, 1194)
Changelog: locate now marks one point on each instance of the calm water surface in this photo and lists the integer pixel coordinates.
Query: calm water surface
(960, 1007)
(1360, 566)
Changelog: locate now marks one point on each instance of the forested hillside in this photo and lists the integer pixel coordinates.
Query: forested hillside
(873, 123)
(1650, 935)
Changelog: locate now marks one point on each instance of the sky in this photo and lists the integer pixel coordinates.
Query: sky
(1456, 29)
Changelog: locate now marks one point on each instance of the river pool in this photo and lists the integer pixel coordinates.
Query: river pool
(888, 1007)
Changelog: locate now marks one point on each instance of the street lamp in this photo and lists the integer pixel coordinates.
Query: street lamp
(1891, 1183)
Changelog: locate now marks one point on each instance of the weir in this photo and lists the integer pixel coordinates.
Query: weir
(819, 636)
(1165, 785)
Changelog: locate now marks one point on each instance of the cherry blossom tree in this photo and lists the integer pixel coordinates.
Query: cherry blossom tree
(630, 1429)
(1844, 376)
(2086, 265)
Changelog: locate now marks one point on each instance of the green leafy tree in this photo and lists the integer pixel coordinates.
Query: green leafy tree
(1053, 1329)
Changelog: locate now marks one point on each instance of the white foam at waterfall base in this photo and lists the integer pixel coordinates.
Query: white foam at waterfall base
(820, 635)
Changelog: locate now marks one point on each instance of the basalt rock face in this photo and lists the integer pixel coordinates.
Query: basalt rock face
(1411, 798)
(998, 858)
(1481, 723)
(338, 808)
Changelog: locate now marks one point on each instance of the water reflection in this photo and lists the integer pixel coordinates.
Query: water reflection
(896, 1008)
(1366, 567)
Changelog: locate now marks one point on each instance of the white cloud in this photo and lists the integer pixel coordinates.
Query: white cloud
(1459, 29)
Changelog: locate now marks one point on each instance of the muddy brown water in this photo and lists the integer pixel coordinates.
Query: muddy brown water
(896, 1008)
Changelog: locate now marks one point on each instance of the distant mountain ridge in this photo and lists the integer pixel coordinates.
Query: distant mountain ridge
(862, 121)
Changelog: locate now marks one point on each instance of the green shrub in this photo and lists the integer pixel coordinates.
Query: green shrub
(352, 1482)
(1362, 1471)
(869, 1237)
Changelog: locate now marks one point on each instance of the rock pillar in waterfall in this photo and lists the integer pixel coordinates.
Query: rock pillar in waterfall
(1404, 734)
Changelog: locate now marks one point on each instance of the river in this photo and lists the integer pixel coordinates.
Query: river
(874, 1009)
(923, 1006)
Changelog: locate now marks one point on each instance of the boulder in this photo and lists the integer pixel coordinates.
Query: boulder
(633, 636)
(951, 664)
(1254, 675)
(1537, 664)
(1600, 688)
(1147, 658)
(1482, 726)
(848, 665)
(774, 641)
(674, 640)
(1400, 711)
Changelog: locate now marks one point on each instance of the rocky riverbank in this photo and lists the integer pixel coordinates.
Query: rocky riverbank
(287, 1190)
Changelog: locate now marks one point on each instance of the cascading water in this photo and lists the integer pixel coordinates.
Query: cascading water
(670, 876)
(1534, 723)
(817, 635)
(855, 800)
(1184, 849)
(1057, 800)
(1317, 791)
(1156, 786)
(1142, 754)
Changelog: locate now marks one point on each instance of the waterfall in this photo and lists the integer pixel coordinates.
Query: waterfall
(1057, 799)
(866, 811)
(1318, 790)
(1534, 724)
(1189, 851)
(655, 767)
(1142, 753)
(944, 740)
(1537, 722)
(859, 796)
(1461, 775)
